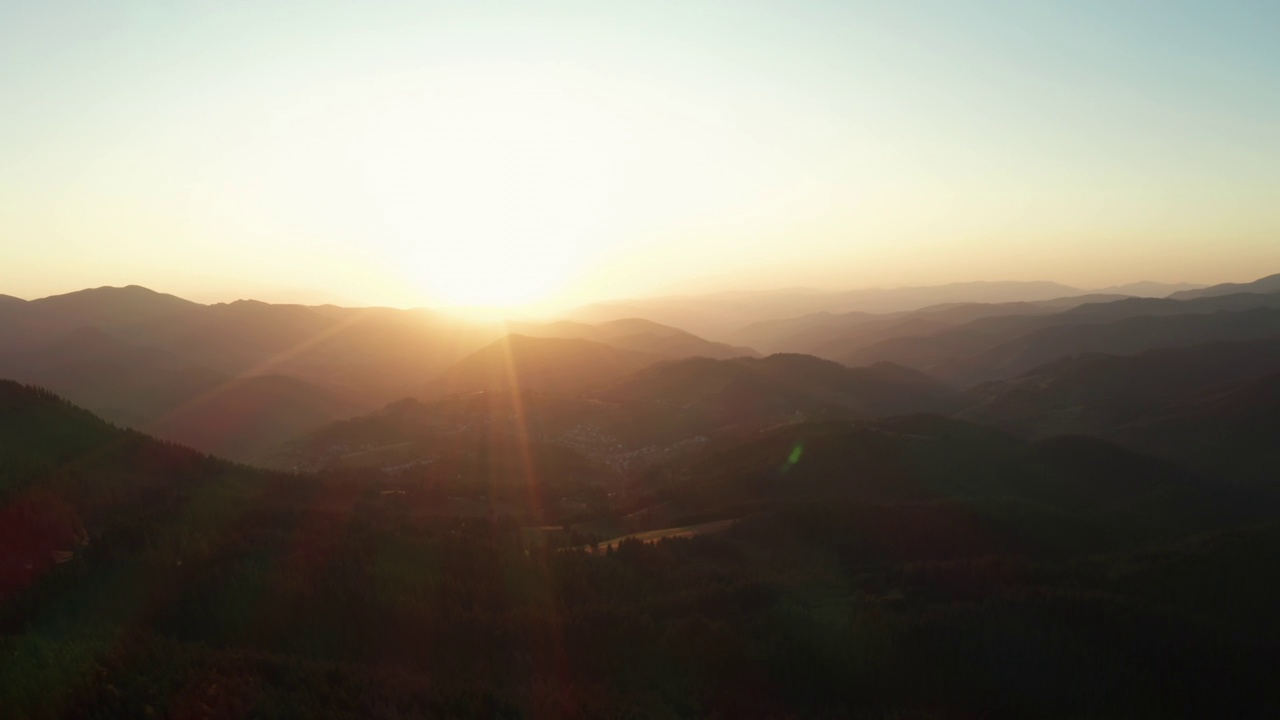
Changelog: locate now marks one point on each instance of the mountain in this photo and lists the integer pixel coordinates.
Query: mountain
(995, 347)
(1232, 432)
(125, 383)
(975, 483)
(639, 335)
(108, 307)
(780, 385)
(1268, 284)
(718, 315)
(519, 362)
(1147, 288)
(839, 336)
(1131, 335)
(370, 355)
(698, 397)
(137, 357)
(1098, 393)
(73, 482)
(643, 419)
(882, 568)
(156, 391)
(241, 418)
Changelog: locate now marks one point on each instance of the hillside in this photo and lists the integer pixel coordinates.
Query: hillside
(636, 334)
(70, 480)
(718, 315)
(1230, 433)
(519, 362)
(1096, 393)
(841, 336)
(1268, 284)
(784, 384)
(1002, 347)
(241, 418)
(932, 545)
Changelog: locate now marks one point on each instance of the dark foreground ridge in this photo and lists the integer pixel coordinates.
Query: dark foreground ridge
(916, 566)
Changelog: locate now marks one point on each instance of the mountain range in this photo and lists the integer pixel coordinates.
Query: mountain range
(573, 520)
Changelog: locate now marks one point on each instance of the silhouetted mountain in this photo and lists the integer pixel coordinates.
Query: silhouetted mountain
(168, 396)
(639, 335)
(370, 355)
(1002, 347)
(519, 362)
(497, 444)
(1072, 492)
(1232, 433)
(770, 389)
(1269, 284)
(108, 307)
(489, 579)
(1097, 393)
(785, 334)
(718, 315)
(840, 336)
(1128, 336)
(1147, 288)
(125, 383)
(135, 356)
(241, 418)
(69, 477)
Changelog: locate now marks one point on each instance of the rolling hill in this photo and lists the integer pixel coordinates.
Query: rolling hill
(1001, 347)
(1096, 393)
(639, 335)
(1268, 284)
(519, 362)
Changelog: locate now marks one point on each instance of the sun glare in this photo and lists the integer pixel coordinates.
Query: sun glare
(494, 183)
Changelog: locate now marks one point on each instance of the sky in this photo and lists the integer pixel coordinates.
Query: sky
(549, 154)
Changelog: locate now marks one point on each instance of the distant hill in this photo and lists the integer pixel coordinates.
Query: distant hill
(718, 315)
(156, 391)
(109, 307)
(516, 362)
(370, 355)
(839, 337)
(1097, 393)
(241, 418)
(1269, 284)
(972, 483)
(1232, 433)
(639, 335)
(1127, 336)
(1002, 347)
(780, 385)
(126, 383)
(1149, 289)
(661, 411)
(487, 442)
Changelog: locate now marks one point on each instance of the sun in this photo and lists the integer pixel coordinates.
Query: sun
(493, 184)
(516, 274)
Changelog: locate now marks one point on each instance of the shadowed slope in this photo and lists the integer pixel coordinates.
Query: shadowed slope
(559, 365)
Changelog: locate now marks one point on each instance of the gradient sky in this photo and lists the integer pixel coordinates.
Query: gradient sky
(416, 153)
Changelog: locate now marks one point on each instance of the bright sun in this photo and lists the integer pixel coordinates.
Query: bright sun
(492, 182)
